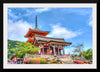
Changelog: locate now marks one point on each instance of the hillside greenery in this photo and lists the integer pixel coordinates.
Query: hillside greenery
(25, 48)
(21, 48)
(11, 45)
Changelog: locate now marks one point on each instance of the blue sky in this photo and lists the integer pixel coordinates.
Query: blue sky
(72, 24)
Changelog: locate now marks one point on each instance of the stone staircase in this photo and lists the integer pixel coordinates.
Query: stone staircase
(63, 59)
(66, 60)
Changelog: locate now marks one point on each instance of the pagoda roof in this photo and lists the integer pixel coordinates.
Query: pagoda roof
(37, 31)
(51, 40)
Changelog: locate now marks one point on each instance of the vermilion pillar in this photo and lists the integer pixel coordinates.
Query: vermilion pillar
(63, 52)
(58, 51)
(54, 51)
(49, 50)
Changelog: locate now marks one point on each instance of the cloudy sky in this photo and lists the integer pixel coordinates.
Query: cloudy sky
(72, 24)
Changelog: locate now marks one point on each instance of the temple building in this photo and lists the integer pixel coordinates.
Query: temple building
(48, 45)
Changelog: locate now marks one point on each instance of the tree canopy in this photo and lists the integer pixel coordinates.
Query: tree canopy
(87, 54)
(21, 48)
(12, 44)
(81, 53)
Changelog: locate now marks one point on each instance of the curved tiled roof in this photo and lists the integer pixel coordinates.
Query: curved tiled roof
(49, 39)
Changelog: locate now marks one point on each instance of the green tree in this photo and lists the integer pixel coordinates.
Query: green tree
(25, 48)
(9, 54)
(11, 45)
(87, 54)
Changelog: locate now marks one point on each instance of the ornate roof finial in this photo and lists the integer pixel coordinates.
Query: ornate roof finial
(36, 28)
(36, 22)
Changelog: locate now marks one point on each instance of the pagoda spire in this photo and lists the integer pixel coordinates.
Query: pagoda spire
(36, 28)
(36, 22)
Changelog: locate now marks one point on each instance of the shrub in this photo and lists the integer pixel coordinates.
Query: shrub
(35, 61)
(53, 61)
(88, 62)
(79, 62)
(76, 61)
(32, 61)
(82, 62)
(43, 61)
(85, 63)
(26, 61)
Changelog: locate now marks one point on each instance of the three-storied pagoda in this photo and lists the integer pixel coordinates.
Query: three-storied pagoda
(49, 45)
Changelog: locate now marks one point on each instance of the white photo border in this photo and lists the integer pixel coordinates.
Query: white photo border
(49, 66)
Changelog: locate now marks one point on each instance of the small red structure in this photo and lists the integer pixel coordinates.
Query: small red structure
(49, 46)
(13, 56)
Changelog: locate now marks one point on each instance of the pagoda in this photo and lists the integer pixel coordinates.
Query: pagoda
(36, 31)
(48, 45)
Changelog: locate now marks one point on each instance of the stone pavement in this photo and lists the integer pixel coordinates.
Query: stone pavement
(61, 59)
(66, 60)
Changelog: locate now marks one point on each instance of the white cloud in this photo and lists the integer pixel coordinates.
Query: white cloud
(12, 15)
(61, 32)
(29, 12)
(17, 30)
(42, 10)
(90, 21)
(35, 11)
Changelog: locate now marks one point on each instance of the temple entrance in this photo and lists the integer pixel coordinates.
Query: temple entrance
(49, 50)
(58, 51)
(45, 50)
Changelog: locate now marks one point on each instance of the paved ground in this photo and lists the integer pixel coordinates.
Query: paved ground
(67, 60)
(61, 59)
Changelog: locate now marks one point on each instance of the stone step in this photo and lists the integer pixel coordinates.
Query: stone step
(68, 60)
